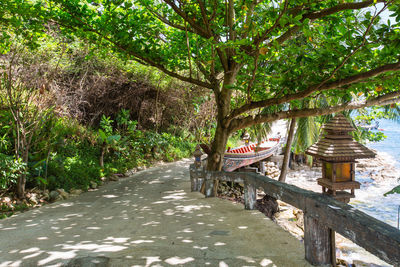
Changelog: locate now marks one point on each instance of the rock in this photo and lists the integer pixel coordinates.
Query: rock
(270, 164)
(113, 178)
(130, 172)
(89, 261)
(53, 195)
(62, 193)
(45, 196)
(93, 184)
(75, 192)
(33, 199)
(140, 168)
(359, 263)
(268, 205)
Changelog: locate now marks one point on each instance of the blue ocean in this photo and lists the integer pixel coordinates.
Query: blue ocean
(369, 198)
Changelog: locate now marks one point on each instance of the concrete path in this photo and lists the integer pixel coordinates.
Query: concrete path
(149, 219)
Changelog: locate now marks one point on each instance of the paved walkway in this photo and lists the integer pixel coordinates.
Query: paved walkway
(149, 219)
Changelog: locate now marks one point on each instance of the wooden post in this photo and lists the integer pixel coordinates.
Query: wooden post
(319, 246)
(196, 179)
(262, 167)
(250, 196)
(210, 189)
(196, 183)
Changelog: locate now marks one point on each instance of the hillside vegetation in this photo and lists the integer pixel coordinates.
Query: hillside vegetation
(71, 117)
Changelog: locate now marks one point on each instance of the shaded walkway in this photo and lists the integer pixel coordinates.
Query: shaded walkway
(149, 219)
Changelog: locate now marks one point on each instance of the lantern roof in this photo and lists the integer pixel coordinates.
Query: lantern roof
(337, 144)
(339, 123)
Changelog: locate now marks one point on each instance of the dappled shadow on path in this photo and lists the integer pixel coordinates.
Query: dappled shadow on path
(149, 219)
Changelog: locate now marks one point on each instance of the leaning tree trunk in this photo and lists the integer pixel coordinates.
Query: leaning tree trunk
(103, 151)
(223, 101)
(216, 158)
(218, 147)
(285, 164)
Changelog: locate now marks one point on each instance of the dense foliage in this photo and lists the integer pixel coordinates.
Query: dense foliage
(72, 145)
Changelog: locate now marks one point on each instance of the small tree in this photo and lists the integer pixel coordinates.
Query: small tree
(29, 114)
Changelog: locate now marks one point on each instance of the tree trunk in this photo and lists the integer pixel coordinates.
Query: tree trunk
(286, 157)
(103, 151)
(223, 100)
(218, 147)
(22, 178)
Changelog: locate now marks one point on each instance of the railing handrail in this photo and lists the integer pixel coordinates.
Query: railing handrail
(377, 237)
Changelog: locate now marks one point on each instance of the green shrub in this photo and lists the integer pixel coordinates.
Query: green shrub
(10, 170)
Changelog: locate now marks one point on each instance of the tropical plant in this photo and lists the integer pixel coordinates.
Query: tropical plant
(107, 139)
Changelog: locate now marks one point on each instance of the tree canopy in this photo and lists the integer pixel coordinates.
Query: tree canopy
(263, 60)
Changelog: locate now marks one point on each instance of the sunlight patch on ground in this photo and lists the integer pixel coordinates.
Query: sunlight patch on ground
(223, 264)
(178, 260)
(190, 208)
(242, 227)
(10, 263)
(266, 262)
(110, 196)
(156, 182)
(151, 260)
(246, 259)
(168, 212)
(175, 195)
(8, 228)
(141, 241)
(153, 223)
(56, 255)
(219, 244)
(117, 239)
(94, 247)
(201, 248)
(30, 250)
(33, 255)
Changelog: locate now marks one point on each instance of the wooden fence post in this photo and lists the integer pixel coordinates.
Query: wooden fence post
(250, 196)
(319, 243)
(210, 185)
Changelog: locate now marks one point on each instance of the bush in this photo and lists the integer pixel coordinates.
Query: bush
(10, 170)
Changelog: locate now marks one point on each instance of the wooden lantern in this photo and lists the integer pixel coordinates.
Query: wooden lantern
(338, 151)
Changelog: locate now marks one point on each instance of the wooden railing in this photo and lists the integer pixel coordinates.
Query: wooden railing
(323, 216)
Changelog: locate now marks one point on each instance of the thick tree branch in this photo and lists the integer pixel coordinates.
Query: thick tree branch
(341, 7)
(169, 23)
(355, 50)
(248, 121)
(201, 31)
(327, 86)
(323, 13)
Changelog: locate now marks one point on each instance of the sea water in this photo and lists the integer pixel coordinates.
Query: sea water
(370, 198)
